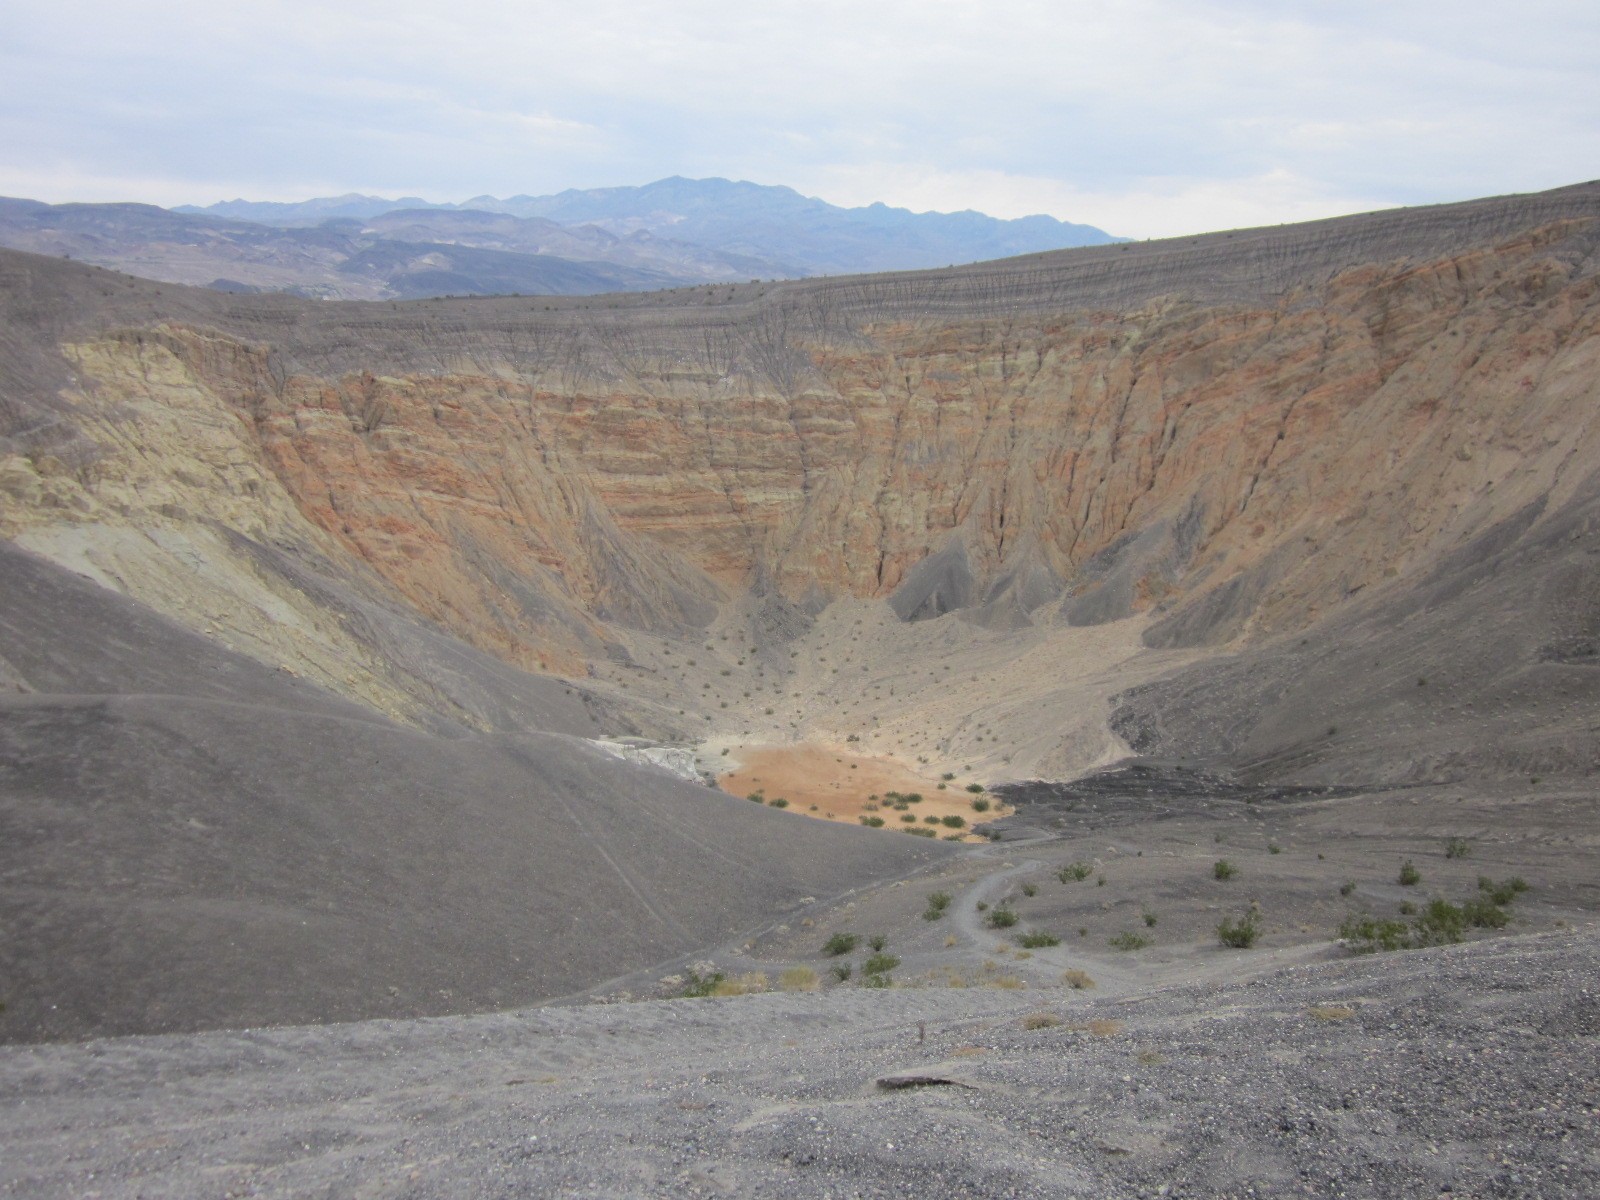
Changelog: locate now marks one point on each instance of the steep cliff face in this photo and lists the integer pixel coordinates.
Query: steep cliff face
(544, 484)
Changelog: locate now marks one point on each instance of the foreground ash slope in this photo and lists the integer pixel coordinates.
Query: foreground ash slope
(193, 840)
(1467, 1071)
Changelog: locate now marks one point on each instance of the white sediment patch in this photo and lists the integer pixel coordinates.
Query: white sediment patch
(676, 760)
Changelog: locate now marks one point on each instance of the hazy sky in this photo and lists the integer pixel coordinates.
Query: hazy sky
(1146, 118)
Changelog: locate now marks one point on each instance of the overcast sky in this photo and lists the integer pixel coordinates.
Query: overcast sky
(1145, 118)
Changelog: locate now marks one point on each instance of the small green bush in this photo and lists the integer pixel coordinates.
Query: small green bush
(877, 941)
(778, 802)
(1457, 848)
(1504, 892)
(1409, 875)
(1029, 889)
(872, 822)
(840, 971)
(1366, 934)
(1129, 941)
(698, 986)
(1223, 869)
(1440, 924)
(976, 789)
(1002, 918)
(908, 818)
(1075, 872)
(1240, 934)
(954, 822)
(879, 964)
(840, 943)
(1482, 912)
(1348, 886)
(930, 819)
(1035, 938)
(1149, 919)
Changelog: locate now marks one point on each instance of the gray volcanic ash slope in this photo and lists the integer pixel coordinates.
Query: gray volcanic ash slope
(1467, 1071)
(194, 840)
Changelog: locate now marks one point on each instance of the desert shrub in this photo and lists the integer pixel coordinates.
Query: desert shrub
(976, 789)
(1366, 934)
(1348, 886)
(1240, 934)
(954, 822)
(1075, 872)
(1076, 979)
(747, 984)
(1040, 1020)
(757, 797)
(778, 802)
(1149, 919)
(930, 819)
(698, 986)
(1482, 912)
(979, 804)
(1274, 848)
(1331, 1012)
(872, 822)
(1036, 938)
(912, 797)
(1002, 918)
(924, 831)
(1223, 869)
(1407, 909)
(1008, 983)
(1029, 889)
(1129, 941)
(1457, 848)
(947, 776)
(877, 941)
(840, 971)
(840, 943)
(908, 818)
(1409, 875)
(983, 906)
(879, 964)
(876, 981)
(1440, 924)
(1503, 892)
(798, 979)
(937, 903)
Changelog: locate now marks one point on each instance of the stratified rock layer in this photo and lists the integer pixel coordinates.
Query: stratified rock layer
(1237, 431)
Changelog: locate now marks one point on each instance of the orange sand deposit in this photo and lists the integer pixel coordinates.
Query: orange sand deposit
(839, 784)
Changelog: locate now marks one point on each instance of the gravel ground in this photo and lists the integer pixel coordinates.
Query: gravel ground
(1470, 1070)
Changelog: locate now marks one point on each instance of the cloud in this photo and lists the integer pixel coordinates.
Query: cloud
(1138, 115)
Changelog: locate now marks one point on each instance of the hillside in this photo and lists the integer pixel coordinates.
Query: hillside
(673, 233)
(1310, 506)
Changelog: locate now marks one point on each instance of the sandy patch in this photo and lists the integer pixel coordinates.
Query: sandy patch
(820, 781)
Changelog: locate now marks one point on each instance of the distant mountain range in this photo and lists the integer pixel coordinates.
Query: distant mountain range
(671, 233)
